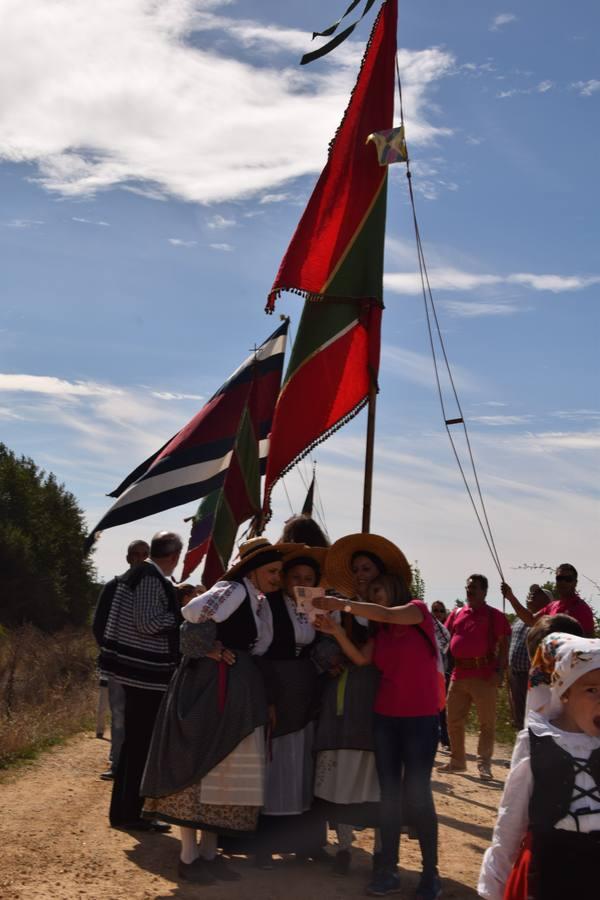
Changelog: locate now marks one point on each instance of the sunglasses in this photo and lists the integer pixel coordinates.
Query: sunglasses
(565, 578)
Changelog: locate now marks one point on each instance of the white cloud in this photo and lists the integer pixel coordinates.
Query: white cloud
(6, 413)
(464, 309)
(226, 248)
(568, 440)
(217, 222)
(578, 414)
(107, 428)
(587, 88)
(502, 19)
(147, 192)
(442, 279)
(112, 95)
(554, 283)
(168, 395)
(447, 278)
(418, 368)
(90, 221)
(541, 88)
(496, 421)
(22, 223)
(179, 242)
(275, 198)
(58, 387)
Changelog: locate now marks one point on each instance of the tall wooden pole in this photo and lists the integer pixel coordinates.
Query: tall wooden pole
(369, 454)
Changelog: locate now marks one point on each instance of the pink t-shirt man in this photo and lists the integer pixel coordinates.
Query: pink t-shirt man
(572, 606)
(407, 661)
(475, 633)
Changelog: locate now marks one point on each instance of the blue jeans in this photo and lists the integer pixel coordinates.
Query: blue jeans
(405, 749)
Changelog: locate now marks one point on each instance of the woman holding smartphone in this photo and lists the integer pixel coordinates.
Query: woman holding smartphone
(403, 648)
(346, 779)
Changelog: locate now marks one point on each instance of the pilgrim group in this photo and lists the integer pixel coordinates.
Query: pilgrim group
(252, 720)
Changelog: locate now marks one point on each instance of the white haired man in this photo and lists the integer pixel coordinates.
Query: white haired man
(141, 651)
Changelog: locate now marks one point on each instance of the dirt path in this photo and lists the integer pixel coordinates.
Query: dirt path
(55, 842)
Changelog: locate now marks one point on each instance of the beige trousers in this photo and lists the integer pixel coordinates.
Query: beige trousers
(463, 692)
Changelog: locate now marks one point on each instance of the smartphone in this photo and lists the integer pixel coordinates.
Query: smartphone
(304, 597)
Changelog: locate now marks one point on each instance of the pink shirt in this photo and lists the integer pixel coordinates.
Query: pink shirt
(573, 606)
(475, 632)
(407, 661)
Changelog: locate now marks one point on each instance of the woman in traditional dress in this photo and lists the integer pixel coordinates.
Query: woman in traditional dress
(205, 768)
(346, 779)
(288, 824)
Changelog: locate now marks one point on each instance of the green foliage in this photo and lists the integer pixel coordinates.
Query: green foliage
(417, 587)
(505, 730)
(46, 580)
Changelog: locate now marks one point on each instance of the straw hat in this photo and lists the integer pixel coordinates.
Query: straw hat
(338, 565)
(254, 553)
(303, 551)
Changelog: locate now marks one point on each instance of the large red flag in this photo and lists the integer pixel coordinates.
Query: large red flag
(335, 260)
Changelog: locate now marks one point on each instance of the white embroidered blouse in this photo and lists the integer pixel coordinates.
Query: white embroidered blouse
(222, 600)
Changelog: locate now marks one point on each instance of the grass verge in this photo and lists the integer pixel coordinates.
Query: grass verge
(48, 690)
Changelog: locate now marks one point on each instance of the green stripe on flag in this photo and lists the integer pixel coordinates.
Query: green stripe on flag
(360, 272)
(225, 529)
(226, 521)
(321, 323)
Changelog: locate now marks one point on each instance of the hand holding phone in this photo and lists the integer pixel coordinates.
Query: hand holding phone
(304, 597)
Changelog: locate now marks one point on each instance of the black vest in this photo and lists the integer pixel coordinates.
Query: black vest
(553, 781)
(283, 645)
(239, 631)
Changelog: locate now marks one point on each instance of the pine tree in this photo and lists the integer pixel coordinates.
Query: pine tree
(46, 579)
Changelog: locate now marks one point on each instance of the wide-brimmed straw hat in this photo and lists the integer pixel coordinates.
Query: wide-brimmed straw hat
(254, 553)
(318, 555)
(338, 564)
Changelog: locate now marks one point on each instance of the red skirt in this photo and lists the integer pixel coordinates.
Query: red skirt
(517, 886)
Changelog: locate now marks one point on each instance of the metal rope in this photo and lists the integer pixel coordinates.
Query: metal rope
(431, 312)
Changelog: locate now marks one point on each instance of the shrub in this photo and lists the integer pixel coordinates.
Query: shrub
(48, 688)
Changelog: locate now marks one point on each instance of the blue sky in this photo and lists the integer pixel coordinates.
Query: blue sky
(154, 161)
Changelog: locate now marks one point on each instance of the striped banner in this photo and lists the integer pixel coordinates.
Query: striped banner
(196, 460)
(219, 515)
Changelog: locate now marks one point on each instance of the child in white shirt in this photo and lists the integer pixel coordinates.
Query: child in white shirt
(546, 842)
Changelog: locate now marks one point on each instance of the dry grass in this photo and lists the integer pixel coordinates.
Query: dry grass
(48, 689)
(505, 731)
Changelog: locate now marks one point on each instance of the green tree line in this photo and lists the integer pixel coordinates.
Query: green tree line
(45, 578)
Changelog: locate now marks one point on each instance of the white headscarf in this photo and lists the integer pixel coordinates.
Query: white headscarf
(559, 661)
